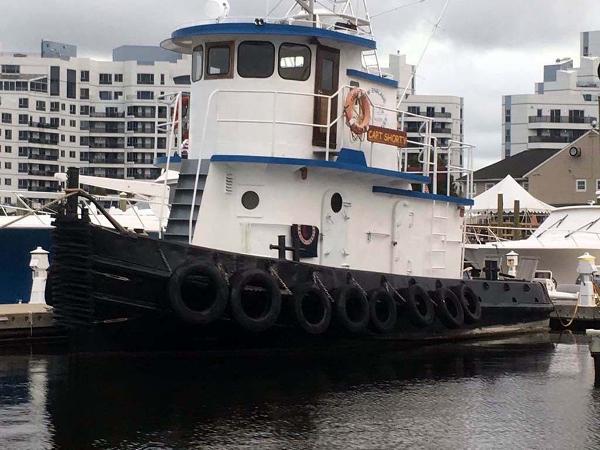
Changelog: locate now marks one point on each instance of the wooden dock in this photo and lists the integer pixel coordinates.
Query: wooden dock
(580, 319)
(24, 322)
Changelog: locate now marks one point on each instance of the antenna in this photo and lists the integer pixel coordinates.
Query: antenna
(216, 9)
(435, 27)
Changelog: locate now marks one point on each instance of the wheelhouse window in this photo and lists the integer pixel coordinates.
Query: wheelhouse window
(294, 62)
(197, 63)
(256, 59)
(219, 60)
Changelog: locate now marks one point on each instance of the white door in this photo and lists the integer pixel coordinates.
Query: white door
(409, 241)
(335, 218)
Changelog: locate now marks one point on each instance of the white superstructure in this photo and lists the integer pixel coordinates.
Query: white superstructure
(563, 107)
(270, 113)
(58, 110)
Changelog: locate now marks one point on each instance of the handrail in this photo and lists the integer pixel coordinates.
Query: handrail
(429, 147)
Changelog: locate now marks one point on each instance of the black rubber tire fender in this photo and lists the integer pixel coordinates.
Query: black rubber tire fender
(343, 296)
(309, 291)
(269, 315)
(419, 305)
(470, 302)
(186, 313)
(379, 298)
(449, 308)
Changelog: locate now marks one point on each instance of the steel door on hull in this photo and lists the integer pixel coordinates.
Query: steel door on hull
(334, 230)
(327, 77)
(408, 239)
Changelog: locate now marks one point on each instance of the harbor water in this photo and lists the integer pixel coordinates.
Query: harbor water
(533, 392)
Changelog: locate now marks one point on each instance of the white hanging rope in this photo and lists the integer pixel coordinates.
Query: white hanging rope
(387, 11)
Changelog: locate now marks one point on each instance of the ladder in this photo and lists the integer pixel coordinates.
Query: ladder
(439, 235)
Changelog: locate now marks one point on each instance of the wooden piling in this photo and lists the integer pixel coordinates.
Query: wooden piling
(517, 220)
(595, 352)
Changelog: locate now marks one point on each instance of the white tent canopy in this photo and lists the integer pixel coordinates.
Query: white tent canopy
(511, 191)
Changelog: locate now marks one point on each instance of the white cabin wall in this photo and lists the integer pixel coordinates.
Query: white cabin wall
(367, 219)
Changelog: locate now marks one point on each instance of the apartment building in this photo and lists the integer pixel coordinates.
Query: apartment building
(562, 109)
(446, 111)
(58, 110)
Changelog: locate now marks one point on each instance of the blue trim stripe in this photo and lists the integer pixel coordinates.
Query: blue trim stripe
(423, 195)
(322, 164)
(272, 29)
(372, 78)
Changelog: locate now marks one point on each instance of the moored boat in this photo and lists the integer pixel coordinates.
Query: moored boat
(297, 218)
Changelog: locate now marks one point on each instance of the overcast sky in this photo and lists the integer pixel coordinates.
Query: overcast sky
(483, 50)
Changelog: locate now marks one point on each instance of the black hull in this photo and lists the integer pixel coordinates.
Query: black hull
(111, 290)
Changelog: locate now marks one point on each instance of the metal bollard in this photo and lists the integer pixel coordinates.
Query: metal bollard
(39, 264)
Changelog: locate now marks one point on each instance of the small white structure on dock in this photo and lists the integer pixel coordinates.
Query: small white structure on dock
(39, 265)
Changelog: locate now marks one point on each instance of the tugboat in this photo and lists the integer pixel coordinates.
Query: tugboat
(295, 218)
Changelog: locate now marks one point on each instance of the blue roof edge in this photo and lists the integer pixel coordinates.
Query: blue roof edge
(372, 78)
(423, 195)
(272, 29)
(413, 178)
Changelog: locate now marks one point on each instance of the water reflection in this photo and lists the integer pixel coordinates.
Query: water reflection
(517, 393)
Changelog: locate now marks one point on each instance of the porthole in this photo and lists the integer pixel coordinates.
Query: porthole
(250, 200)
(336, 202)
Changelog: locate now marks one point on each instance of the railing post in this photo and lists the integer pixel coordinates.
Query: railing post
(327, 136)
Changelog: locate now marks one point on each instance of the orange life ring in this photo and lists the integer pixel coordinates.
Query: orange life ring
(358, 125)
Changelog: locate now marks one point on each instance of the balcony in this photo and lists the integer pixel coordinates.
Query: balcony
(141, 161)
(551, 139)
(43, 141)
(560, 119)
(110, 144)
(108, 130)
(43, 157)
(441, 130)
(105, 160)
(43, 188)
(42, 173)
(112, 115)
(43, 125)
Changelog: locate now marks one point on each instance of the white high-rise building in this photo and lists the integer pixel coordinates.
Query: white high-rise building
(58, 110)
(564, 105)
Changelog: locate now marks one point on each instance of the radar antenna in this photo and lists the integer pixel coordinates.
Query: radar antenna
(352, 16)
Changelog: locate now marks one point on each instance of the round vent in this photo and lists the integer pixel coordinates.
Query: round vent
(575, 152)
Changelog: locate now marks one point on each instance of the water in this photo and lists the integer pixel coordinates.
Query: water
(522, 393)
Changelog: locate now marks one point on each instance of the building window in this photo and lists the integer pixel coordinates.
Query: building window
(10, 68)
(256, 59)
(145, 95)
(507, 136)
(72, 139)
(118, 77)
(197, 63)
(488, 186)
(54, 106)
(72, 154)
(71, 83)
(40, 85)
(85, 76)
(525, 185)
(581, 185)
(84, 110)
(7, 181)
(8, 135)
(84, 94)
(294, 62)
(73, 109)
(23, 119)
(23, 103)
(219, 59)
(105, 78)
(7, 149)
(72, 123)
(555, 115)
(507, 115)
(55, 80)
(162, 78)
(23, 135)
(118, 95)
(6, 118)
(40, 105)
(587, 97)
(598, 185)
(8, 165)
(105, 95)
(145, 78)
